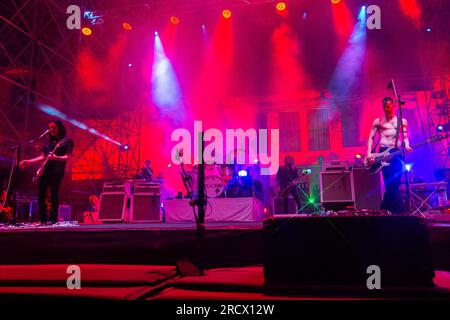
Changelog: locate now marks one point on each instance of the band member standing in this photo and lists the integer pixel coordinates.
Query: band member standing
(388, 129)
(54, 168)
(147, 170)
(287, 178)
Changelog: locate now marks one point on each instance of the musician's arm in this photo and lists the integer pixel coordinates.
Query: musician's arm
(405, 135)
(52, 156)
(26, 163)
(373, 131)
(58, 158)
(37, 159)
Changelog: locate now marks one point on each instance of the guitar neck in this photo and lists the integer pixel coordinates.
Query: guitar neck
(396, 153)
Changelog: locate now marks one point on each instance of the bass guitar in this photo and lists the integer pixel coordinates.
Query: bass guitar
(381, 159)
(286, 190)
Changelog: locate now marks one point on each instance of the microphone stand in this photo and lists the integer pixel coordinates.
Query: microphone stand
(400, 102)
(188, 186)
(13, 186)
(201, 203)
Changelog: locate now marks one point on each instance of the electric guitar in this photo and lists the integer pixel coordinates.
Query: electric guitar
(285, 191)
(41, 169)
(380, 159)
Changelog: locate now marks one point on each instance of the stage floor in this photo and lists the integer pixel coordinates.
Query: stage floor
(138, 261)
(28, 227)
(146, 282)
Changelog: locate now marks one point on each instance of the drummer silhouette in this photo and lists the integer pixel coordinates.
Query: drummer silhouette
(147, 171)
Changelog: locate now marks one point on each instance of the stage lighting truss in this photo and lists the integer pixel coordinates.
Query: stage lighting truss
(438, 102)
(93, 17)
(36, 47)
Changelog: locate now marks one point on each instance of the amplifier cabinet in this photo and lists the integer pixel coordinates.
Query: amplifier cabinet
(114, 207)
(145, 207)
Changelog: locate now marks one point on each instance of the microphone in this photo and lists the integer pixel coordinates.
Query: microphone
(44, 134)
(389, 86)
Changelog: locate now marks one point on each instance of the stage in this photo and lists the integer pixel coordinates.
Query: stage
(139, 261)
(227, 244)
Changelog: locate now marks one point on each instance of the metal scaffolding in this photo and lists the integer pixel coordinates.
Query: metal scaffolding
(37, 60)
(38, 64)
(97, 159)
(438, 101)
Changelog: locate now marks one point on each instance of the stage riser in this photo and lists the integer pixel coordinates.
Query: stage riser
(224, 247)
(337, 251)
(162, 247)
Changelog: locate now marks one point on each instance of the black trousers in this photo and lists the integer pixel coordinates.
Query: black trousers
(295, 193)
(53, 181)
(392, 175)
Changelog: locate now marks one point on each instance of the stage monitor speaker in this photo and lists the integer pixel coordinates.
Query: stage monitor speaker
(278, 206)
(337, 189)
(368, 194)
(64, 213)
(145, 207)
(27, 210)
(114, 207)
(335, 252)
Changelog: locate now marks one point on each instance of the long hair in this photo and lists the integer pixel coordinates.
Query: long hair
(62, 132)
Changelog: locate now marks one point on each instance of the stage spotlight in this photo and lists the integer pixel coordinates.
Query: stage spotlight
(242, 173)
(86, 31)
(130, 65)
(156, 34)
(440, 128)
(408, 166)
(311, 200)
(335, 1)
(124, 147)
(358, 156)
(174, 20)
(428, 30)
(226, 14)
(127, 26)
(281, 7)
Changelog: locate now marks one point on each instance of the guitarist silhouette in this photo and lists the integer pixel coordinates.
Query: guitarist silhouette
(287, 180)
(54, 156)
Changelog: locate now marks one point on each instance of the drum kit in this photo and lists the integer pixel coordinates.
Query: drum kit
(222, 181)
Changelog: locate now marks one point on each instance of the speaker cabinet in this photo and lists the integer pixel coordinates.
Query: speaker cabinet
(114, 207)
(64, 213)
(335, 252)
(145, 207)
(27, 210)
(368, 194)
(337, 189)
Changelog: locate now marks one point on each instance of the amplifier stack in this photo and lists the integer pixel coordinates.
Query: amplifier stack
(342, 186)
(130, 201)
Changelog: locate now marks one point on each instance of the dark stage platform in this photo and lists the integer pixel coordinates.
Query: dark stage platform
(138, 261)
(227, 243)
